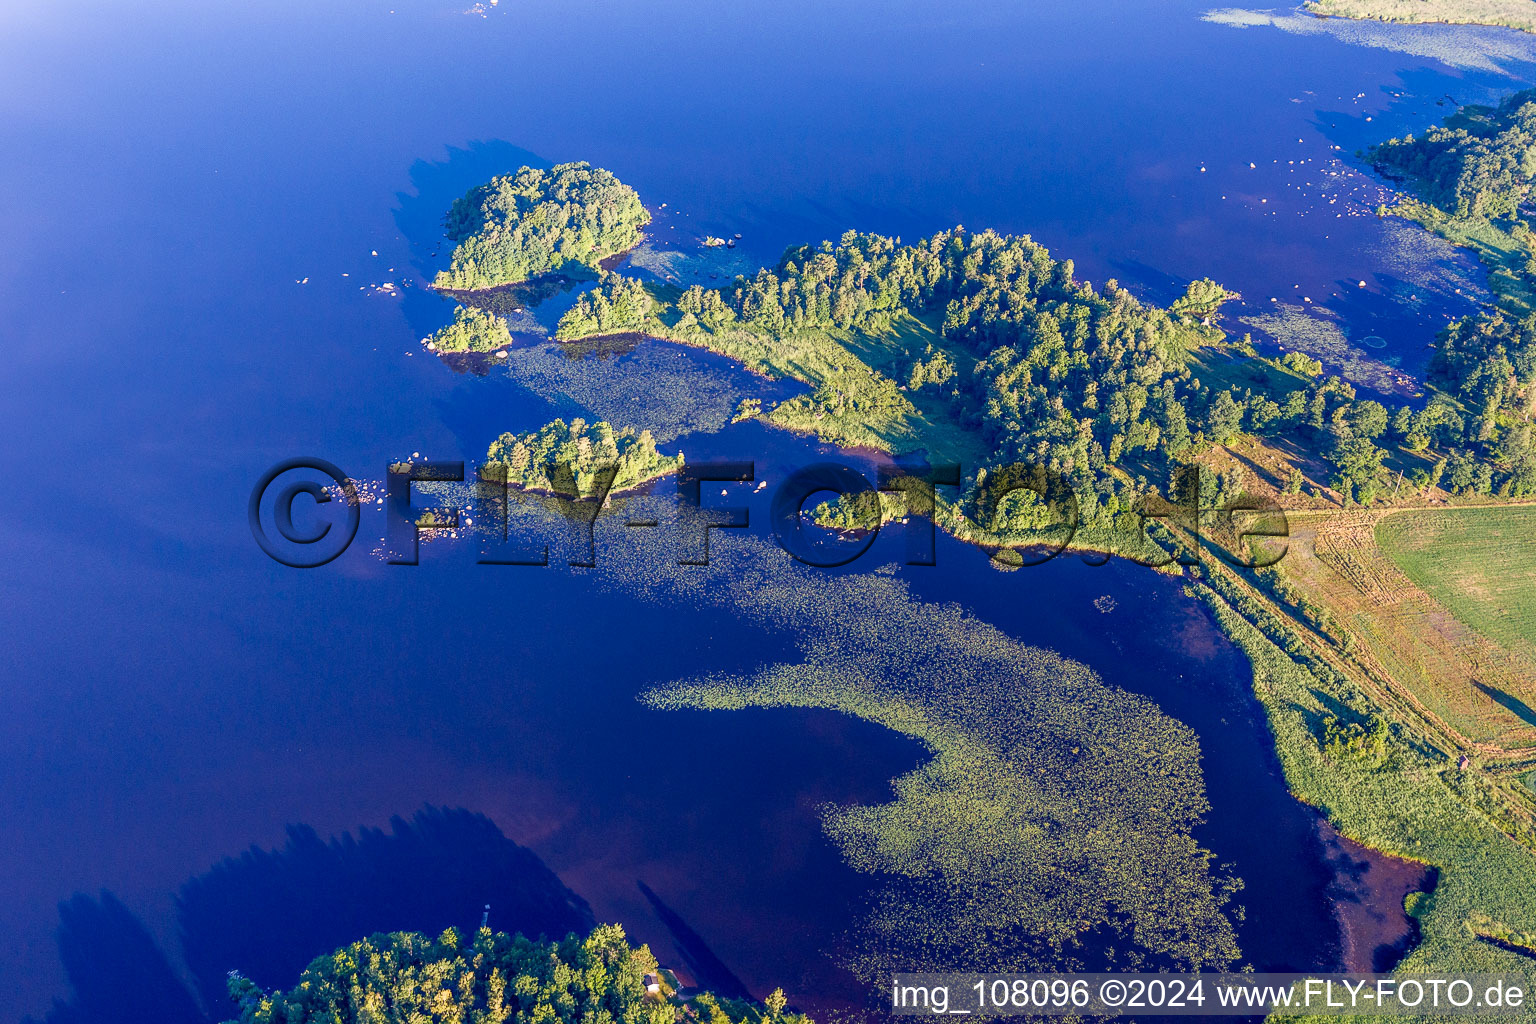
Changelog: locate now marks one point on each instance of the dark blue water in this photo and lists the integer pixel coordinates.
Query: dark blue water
(171, 174)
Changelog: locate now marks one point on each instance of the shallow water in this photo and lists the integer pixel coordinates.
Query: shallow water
(172, 175)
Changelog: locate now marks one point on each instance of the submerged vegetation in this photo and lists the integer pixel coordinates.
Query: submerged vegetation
(1052, 826)
(567, 218)
(568, 459)
(406, 978)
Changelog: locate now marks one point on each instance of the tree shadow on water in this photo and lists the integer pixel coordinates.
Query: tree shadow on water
(435, 184)
(117, 972)
(709, 971)
(268, 913)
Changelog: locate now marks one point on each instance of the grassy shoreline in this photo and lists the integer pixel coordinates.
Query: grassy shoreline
(1407, 799)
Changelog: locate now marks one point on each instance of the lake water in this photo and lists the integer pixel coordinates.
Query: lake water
(172, 175)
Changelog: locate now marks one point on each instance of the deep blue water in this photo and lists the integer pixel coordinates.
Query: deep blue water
(171, 172)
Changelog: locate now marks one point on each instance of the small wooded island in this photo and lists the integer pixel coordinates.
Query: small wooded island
(539, 460)
(566, 219)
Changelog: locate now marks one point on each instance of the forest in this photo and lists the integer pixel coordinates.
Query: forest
(986, 348)
(1474, 175)
(407, 977)
(1041, 368)
(565, 219)
(566, 458)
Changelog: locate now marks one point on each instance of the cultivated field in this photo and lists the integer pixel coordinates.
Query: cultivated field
(1480, 563)
(1449, 629)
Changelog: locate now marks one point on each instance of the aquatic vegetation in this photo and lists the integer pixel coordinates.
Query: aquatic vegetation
(652, 386)
(1481, 49)
(1052, 824)
(1316, 332)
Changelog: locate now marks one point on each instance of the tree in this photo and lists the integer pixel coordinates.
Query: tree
(472, 330)
(537, 221)
(1368, 419)
(1356, 463)
(1225, 419)
(1202, 298)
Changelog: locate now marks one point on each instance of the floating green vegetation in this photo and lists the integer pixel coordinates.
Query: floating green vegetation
(661, 388)
(569, 459)
(1315, 331)
(1458, 47)
(408, 978)
(1053, 823)
(568, 219)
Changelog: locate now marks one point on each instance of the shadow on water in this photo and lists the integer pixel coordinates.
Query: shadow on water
(1368, 894)
(117, 972)
(708, 970)
(268, 913)
(419, 214)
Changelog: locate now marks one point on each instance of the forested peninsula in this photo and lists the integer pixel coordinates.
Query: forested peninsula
(985, 350)
(491, 976)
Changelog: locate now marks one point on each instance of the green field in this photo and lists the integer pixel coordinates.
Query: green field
(1479, 563)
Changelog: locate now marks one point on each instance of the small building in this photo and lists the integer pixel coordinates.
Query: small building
(652, 985)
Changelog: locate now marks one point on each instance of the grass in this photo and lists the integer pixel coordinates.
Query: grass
(1412, 801)
(1478, 562)
(1520, 14)
(1407, 636)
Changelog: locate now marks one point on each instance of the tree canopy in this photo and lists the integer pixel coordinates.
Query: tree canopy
(540, 460)
(517, 226)
(408, 978)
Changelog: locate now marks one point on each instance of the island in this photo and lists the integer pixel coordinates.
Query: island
(566, 219)
(568, 459)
